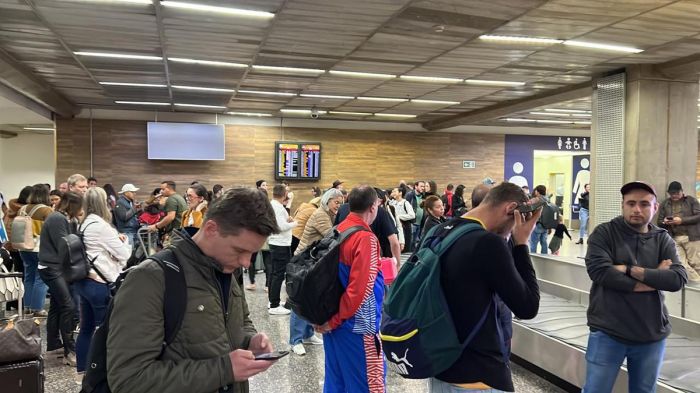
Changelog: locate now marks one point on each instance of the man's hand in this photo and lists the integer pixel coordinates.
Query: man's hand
(524, 224)
(641, 287)
(665, 264)
(621, 268)
(122, 237)
(260, 343)
(245, 366)
(325, 328)
(152, 228)
(290, 219)
(677, 221)
(403, 246)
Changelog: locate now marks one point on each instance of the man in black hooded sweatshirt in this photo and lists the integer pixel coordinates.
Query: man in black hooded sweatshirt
(630, 262)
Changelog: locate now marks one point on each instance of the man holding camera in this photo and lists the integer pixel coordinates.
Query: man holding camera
(680, 215)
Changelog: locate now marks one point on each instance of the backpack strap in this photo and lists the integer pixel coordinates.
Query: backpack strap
(35, 209)
(441, 237)
(175, 298)
(349, 232)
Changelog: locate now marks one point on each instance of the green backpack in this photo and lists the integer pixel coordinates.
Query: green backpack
(417, 331)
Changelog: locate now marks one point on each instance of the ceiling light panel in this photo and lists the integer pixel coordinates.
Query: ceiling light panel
(268, 93)
(608, 47)
(434, 102)
(395, 115)
(554, 121)
(142, 103)
(343, 113)
(218, 10)
(484, 82)
(332, 97)
(38, 128)
(301, 111)
(353, 74)
(132, 84)
(198, 88)
(118, 55)
(566, 110)
(520, 40)
(200, 106)
(382, 99)
(519, 120)
(251, 114)
(292, 70)
(431, 79)
(551, 114)
(207, 62)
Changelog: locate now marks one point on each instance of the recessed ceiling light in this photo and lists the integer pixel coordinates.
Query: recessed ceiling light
(385, 99)
(301, 111)
(132, 84)
(118, 55)
(249, 114)
(517, 39)
(207, 62)
(142, 103)
(554, 121)
(289, 69)
(431, 79)
(582, 122)
(435, 102)
(201, 106)
(566, 110)
(38, 128)
(593, 45)
(396, 115)
(220, 10)
(361, 74)
(327, 96)
(198, 88)
(551, 114)
(483, 82)
(268, 93)
(350, 113)
(519, 120)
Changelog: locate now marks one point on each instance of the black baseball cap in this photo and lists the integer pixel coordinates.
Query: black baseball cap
(674, 186)
(637, 185)
(337, 183)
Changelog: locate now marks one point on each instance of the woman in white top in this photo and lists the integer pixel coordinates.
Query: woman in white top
(404, 212)
(109, 252)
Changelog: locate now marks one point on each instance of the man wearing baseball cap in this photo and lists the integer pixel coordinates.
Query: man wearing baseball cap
(680, 216)
(126, 213)
(630, 261)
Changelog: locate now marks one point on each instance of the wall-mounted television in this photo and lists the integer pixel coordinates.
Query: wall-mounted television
(186, 141)
(297, 160)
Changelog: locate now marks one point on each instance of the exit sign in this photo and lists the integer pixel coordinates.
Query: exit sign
(468, 164)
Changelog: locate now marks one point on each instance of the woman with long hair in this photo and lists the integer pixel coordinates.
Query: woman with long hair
(55, 198)
(111, 196)
(404, 212)
(60, 324)
(434, 211)
(109, 252)
(459, 206)
(197, 205)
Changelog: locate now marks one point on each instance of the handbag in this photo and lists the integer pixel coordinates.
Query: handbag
(11, 285)
(20, 340)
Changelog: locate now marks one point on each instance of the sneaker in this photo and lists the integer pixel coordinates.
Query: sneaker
(40, 314)
(279, 310)
(299, 349)
(70, 359)
(250, 287)
(313, 340)
(54, 354)
(28, 312)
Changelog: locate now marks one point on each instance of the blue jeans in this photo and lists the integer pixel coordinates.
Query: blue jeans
(34, 287)
(299, 329)
(94, 298)
(583, 220)
(604, 357)
(438, 386)
(416, 236)
(539, 235)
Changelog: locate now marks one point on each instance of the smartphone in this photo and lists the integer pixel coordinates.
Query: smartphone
(669, 218)
(272, 355)
(530, 207)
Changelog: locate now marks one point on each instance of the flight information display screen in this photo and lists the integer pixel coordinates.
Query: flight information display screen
(298, 160)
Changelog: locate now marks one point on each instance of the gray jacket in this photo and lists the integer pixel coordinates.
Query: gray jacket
(125, 216)
(615, 309)
(690, 215)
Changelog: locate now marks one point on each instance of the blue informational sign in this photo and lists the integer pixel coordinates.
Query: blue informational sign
(3, 232)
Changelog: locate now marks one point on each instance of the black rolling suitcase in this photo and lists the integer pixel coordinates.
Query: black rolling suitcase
(22, 377)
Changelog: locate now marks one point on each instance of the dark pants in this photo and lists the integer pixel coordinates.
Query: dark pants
(252, 269)
(94, 299)
(59, 324)
(295, 244)
(15, 264)
(280, 258)
(407, 229)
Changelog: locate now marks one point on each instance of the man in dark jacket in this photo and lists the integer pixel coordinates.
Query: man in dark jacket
(630, 262)
(680, 215)
(126, 213)
(415, 198)
(214, 349)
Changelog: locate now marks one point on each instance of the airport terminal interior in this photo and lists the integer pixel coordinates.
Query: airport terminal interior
(578, 96)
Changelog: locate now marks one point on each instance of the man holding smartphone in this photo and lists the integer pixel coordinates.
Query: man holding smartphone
(680, 215)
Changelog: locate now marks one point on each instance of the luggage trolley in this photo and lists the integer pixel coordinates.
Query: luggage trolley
(147, 242)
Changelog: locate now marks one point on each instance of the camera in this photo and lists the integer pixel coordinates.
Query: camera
(314, 113)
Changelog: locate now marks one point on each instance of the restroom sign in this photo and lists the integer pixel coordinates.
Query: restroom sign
(468, 164)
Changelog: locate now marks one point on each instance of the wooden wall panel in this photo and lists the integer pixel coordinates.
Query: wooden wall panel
(380, 158)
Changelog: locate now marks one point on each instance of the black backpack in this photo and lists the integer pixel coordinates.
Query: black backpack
(313, 285)
(174, 303)
(550, 216)
(76, 263)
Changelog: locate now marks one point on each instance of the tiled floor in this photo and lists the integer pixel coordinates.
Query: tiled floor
(298, 374)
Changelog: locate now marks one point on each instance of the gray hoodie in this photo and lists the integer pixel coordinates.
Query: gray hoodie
(615, 309)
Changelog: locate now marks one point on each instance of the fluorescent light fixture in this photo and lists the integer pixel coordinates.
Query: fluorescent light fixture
(249, 114)
(551, 114)
(554, 121)
(519, 120)
(314, 71)
(327, 96)
(207, 62)
(38, 128)
(142, 103)
(431, 79)
(268, 93)
(342, 113)
(219, 10)
(434, 102)
(124, 1)
(198, 88)
(131, 84)
(582, 122)
(522, 40)
(301, 111)
(384, 99)
(361, 74)
(395, 115)
(593, 45)
(117, 55)
(566, 110)
(483, 82)
(201, 106)
(581, 115)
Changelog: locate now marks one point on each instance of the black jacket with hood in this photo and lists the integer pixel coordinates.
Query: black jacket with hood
(614, 307)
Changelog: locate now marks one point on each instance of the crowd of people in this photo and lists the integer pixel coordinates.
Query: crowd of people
(217, 234)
